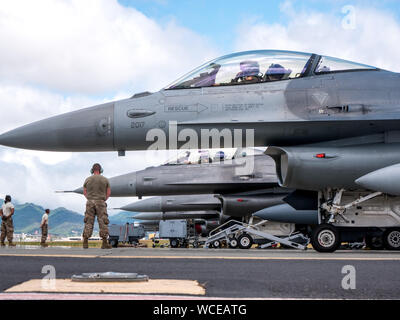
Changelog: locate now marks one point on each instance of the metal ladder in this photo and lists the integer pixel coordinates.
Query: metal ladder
(241, 227)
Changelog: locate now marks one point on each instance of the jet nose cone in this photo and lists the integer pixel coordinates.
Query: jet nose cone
(90, 129)
(79, 190)
(147, 205)
(124, 185)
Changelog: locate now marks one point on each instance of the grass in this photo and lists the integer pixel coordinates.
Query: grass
(92, 244)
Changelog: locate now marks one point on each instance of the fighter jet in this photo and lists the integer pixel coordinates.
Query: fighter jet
(288, 98)
(203, 186)
(332, 124)
(181, 178)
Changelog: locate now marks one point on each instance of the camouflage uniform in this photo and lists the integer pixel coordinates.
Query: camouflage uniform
(93, 208)
(7, 229)
(7, 226)
(96, 192)
(45, 231)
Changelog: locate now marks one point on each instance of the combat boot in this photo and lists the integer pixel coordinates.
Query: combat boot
(105, 244)
(85, 243)
(3, 244)
(11, 244)
(44, 245)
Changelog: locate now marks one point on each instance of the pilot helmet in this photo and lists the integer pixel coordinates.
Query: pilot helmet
(219, 156)
(276, 72)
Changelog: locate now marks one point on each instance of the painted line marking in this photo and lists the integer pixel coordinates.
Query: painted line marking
(203, 257)
(107, 296)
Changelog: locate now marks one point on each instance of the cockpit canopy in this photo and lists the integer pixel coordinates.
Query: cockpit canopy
(262, 66)
(212, 155)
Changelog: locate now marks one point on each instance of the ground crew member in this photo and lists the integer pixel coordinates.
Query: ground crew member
(96, 190)
(44, 225)
(7, 227)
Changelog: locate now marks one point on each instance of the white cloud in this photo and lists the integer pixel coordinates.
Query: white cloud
(61, 55)
(22, 104)
(93, 46)
(375, 39)
(31, 176)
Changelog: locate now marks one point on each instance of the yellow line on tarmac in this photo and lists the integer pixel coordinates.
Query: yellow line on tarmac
(205, 257)
(251, 258)
(48, 255)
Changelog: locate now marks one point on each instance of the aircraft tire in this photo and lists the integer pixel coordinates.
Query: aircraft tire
(391, 239)
(374, 243)
(245, 241)
(325, 238)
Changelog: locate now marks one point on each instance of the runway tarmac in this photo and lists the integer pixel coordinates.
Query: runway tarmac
(223, 273)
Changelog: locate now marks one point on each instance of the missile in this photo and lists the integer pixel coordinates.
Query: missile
(286, 213)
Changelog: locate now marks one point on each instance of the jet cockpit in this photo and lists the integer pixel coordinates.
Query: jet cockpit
(262, 66)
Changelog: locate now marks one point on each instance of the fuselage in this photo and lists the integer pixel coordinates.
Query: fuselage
(307, 107)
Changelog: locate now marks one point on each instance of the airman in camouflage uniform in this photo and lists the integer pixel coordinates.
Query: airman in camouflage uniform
(7, 226)
(96, 190)
(44, 225)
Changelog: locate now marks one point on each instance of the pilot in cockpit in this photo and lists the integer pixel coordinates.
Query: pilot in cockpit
(219, 156)
(249, 72)
(207, 79)
(277, 72)
(184, 159)
(322, 69)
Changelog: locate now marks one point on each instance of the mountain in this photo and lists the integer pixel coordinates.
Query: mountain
(62, 222)
(122, 217)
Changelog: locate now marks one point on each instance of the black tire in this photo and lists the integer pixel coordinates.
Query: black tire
(374, 242)
(233, 243)
(114, 243)
(245, 241)
(325, 238)
(391, 239)
(174, 243)
(216, 244)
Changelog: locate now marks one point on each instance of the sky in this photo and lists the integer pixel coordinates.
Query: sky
(62, 55)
